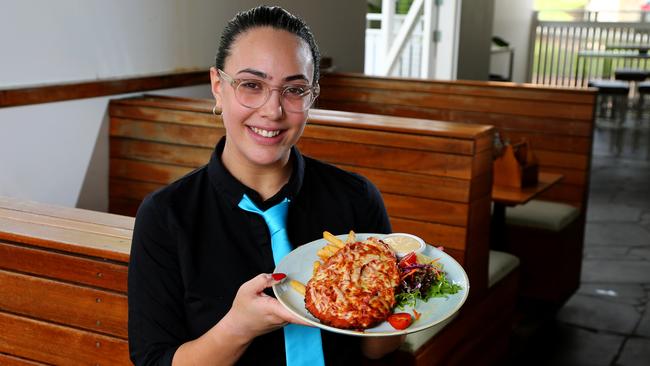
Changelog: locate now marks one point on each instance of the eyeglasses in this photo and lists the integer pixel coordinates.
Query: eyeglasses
(252, 93)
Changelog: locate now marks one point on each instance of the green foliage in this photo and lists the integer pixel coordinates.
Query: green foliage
(374, 6)
(560, 4)
(552, 9)
(403, 6)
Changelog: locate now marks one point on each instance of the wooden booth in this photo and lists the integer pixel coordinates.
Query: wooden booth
(435, 178)
(557, 124)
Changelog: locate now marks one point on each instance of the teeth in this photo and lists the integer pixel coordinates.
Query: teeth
(265, 133)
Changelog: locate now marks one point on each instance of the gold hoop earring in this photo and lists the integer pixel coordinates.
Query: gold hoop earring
(214, 111)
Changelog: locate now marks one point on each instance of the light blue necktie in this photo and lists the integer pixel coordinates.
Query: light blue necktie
(302, 344)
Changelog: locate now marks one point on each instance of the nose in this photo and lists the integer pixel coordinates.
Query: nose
(272, 109)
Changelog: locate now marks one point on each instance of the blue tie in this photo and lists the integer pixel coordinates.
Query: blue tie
(302, 344)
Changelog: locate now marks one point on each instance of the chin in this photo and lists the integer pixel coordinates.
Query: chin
(266, 158)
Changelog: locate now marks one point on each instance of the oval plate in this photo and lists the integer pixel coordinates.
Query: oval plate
(298, 265)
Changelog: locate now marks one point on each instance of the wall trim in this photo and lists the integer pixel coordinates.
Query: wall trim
(70, 91)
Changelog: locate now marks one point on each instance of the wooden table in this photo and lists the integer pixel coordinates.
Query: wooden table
(504, 196)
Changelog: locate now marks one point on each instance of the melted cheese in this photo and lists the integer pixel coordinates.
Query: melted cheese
(354, 288)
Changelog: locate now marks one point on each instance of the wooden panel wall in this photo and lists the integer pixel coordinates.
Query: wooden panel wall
(63, 276)
(557, 122)
(435, 177)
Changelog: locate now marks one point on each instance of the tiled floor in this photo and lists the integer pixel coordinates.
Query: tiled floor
(607, 322)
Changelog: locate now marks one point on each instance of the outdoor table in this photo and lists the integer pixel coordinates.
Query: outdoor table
(588, 60)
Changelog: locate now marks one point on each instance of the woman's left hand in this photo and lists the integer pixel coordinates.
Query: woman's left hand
(254, 313)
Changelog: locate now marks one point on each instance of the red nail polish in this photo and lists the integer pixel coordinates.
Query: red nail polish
(278, 276)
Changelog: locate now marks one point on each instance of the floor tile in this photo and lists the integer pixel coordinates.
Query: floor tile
(609, 271)
(625, 234)
(636, 352)
(578, 347)
(645, 219)
(600, 198)
(643, 329)
(640, 253)
(636, 199)
(613, 213)
(632, 294)
(608, 252)
(593, 313)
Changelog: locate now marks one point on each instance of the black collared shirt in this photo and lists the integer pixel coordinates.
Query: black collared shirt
(193, 247)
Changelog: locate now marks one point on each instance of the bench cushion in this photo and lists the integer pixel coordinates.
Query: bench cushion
(543, 215)
(500, 264)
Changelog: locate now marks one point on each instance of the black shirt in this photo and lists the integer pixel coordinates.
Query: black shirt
(193, 247)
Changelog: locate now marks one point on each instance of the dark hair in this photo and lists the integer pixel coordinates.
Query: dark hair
(266, 16)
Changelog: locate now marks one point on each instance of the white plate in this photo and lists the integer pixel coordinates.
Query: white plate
(297, 265)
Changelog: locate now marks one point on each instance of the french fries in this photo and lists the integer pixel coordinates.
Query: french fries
(333, 239)
(334, 244)
(351, 237)
(298, 287)
(330, 249)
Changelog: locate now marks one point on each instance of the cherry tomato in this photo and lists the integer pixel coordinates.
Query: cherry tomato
(400, 321)
(408, 260)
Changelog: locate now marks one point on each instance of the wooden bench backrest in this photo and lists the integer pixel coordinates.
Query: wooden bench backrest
(435, 177)
(62, 285)
(557, 122)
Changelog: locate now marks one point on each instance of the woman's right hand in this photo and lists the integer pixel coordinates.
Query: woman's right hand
(254, 313)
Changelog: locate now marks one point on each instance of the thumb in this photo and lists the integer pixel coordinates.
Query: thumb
(258, 283)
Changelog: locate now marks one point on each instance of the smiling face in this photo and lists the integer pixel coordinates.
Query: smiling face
(262, 138)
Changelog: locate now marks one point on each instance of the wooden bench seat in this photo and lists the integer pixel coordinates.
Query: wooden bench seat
(63, 275)
(557, 122)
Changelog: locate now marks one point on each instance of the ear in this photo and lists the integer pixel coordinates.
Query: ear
(215, 86)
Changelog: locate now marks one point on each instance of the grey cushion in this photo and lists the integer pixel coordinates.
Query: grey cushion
(544, 215)
(500, 264)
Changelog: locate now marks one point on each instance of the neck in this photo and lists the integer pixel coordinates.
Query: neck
(266, 180)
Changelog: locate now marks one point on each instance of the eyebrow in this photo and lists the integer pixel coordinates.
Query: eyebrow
(266, 76)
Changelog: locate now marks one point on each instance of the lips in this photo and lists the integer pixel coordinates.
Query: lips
(265, 133)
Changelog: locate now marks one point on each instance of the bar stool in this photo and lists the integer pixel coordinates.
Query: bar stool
(611, 99)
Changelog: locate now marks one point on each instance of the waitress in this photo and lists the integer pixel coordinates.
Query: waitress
(203, 247)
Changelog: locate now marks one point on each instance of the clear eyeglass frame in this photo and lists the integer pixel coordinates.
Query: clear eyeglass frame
(294, 97)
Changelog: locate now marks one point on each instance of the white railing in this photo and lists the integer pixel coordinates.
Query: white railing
(408, 63)
(404, 45)
(573, 51)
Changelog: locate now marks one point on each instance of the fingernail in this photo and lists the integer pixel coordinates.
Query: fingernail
(278, 276)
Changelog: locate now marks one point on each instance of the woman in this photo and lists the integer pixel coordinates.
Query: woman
(200, 260)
